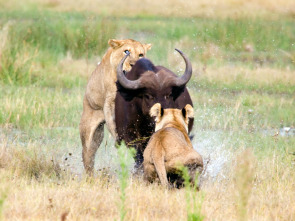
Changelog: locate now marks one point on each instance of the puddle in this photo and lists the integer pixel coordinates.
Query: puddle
(283, 132)
(105, 158)
(63, 145)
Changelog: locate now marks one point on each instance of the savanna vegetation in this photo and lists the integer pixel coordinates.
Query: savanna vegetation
(243, 88)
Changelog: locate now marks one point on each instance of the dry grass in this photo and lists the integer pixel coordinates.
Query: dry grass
(266, 187)
(220, 8)
(260, 75)
(3, 41)
(226, 74)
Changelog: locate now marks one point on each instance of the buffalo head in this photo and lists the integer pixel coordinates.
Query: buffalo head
(152, 84)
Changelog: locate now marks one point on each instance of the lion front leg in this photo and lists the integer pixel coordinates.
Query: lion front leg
(109, 114)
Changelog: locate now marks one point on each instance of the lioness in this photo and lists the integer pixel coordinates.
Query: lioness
(170, 146)
(98, 103)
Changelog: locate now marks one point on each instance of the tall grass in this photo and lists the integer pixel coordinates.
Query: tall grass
(30, 107)
(39, 41)
(256, 41)
(29, 163)
(2, 199)
(271, 195)
(194, 205)
(83, 36)
(125, 156)
(245, 173)
(43, 41)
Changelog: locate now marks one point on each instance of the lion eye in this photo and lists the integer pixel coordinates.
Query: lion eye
(127, 52)
(140, 55)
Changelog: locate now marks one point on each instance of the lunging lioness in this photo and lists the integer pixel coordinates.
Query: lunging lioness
(98, 103)
(170, 146)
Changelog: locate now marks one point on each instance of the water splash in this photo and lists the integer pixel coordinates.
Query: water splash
(215, 152)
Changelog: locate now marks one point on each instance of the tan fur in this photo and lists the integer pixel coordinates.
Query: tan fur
(170, 146)
(99, 99)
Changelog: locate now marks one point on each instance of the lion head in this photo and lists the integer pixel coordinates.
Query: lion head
(176, 116)
(119, 48)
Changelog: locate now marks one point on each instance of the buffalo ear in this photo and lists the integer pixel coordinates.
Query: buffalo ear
(188, 112)
(115, 43)
(147, 47)
(177, 91)
(157, 112)
(127, 94)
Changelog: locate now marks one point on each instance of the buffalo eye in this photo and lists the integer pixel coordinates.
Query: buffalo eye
(127, 52)
(167, 96)
(149, 97)
(140, 55)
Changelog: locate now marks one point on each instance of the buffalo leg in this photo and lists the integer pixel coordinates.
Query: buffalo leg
(138, 161)
(91, 134)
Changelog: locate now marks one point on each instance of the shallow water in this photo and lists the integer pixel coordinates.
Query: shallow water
(283, 132)
(63, 145)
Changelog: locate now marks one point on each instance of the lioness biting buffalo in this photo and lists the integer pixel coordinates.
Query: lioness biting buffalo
(120, 94)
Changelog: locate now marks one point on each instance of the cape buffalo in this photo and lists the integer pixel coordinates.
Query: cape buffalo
(138, 90)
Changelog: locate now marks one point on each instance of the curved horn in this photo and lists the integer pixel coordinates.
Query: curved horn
(122, 78)
(187, 73)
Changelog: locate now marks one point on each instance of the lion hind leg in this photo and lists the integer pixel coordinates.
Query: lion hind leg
(91, 133)
(158, 160)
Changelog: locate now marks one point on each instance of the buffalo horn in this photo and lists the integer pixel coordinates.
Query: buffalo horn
(181, 81)
(133, 85)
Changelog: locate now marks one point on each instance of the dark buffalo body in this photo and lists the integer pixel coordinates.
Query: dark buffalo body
(138, 91)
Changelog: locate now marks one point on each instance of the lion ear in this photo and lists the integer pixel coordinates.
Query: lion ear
(188, 112)
(115, 43)
(147, 46)
(157, 112)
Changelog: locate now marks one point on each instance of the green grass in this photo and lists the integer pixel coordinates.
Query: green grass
(45, 37)
(267, 37)
(125, 157)
(193, 198)
(44, 40)
(82, 35)
(34, 107)
(2, 199)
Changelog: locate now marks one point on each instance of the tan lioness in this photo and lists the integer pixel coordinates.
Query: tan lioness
(98, 103)
(170, 146)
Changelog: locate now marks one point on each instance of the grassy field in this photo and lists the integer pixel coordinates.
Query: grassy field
(243, 88)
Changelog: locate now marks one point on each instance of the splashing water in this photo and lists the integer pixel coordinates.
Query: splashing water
(216, 155)
(209, 144)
